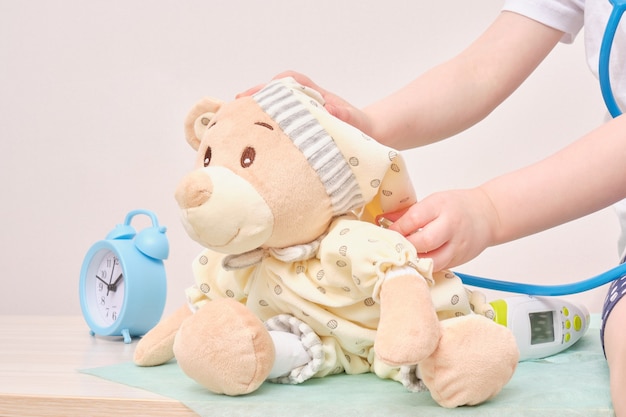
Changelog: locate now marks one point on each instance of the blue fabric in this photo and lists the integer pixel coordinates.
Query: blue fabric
(614, 294)
(616, 291)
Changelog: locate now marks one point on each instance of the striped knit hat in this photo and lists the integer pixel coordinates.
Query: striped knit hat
(357, 172)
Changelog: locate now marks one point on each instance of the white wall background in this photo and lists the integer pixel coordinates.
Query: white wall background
(93, 95)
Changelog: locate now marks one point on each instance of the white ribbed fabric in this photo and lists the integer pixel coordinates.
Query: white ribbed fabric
(318, 147)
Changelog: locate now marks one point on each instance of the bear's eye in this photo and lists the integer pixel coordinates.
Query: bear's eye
(247, 157)
(207, 157)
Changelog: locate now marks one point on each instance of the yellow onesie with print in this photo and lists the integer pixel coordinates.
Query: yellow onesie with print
(335, 292)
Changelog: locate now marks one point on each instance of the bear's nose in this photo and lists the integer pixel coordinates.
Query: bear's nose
(194, 190)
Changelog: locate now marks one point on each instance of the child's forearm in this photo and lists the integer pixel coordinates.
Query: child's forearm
(457, 94)
(586, 176)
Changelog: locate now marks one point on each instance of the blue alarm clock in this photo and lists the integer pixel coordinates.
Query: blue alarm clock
(123, 286)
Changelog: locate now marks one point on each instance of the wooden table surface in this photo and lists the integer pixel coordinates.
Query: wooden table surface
(40, 358)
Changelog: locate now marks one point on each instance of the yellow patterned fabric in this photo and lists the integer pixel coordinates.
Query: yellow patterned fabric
(335, 292)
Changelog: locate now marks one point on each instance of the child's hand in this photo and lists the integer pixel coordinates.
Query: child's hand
(334, 104)
(451, 227)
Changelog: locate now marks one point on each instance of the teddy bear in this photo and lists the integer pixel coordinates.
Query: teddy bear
(296, 279)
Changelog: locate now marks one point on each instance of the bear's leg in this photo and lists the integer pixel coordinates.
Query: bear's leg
(475, 358)
(225, 348)
(156, 346)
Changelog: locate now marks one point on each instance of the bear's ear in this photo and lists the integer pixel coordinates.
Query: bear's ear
(199, 118)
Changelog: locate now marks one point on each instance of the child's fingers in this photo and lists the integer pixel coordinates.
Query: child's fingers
(407, 222)
(390, 217)
(429, 238)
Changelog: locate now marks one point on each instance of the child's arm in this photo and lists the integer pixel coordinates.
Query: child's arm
(455, 95)
(586, 176)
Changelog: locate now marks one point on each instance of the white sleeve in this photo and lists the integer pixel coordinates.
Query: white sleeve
(564, 15)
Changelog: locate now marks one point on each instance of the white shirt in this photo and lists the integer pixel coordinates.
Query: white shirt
(570, 16)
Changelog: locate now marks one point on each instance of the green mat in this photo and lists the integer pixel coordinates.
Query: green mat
(572, 383)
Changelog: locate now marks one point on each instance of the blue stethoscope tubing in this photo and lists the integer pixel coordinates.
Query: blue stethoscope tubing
(619, 6)
(545, 290)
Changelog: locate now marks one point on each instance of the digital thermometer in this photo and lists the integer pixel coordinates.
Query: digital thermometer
(542, 326)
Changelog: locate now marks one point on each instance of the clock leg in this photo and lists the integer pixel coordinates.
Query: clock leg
(126, 334)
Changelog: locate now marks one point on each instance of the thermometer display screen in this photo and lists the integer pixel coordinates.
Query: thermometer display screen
(541, 327)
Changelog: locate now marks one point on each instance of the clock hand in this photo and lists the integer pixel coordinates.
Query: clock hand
(109, 288)
(113, 287)
(112, 269)
(103, 281)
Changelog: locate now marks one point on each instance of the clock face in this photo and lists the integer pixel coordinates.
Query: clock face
(106, 287)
